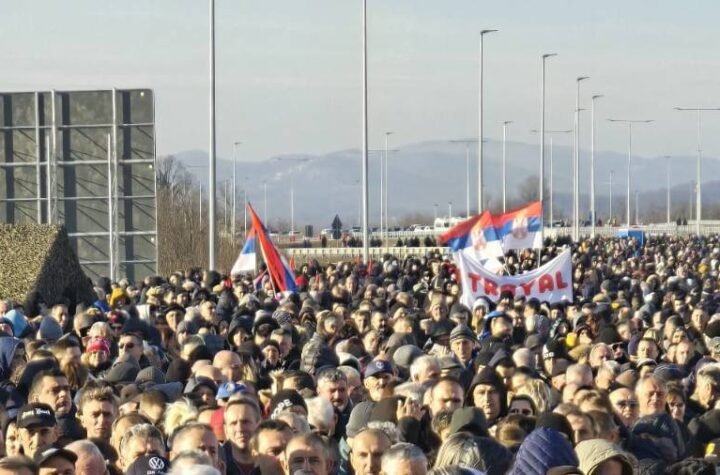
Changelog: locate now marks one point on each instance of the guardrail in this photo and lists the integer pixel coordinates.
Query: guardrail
(337, 254)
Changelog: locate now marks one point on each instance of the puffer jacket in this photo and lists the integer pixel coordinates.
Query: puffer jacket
(542, 450)
(592, 453)
(317, 353)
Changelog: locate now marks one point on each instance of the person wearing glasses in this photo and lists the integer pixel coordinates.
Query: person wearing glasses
(625, 406)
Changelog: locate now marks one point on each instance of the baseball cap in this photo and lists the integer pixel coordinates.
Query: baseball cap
(149, 465)
(462, 332)
(36, 415)
(378, 367)
(228, 389)
(47, 454)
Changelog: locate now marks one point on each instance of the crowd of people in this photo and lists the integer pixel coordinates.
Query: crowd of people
(374, 369)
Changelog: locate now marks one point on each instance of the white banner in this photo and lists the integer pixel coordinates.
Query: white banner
(551, 282)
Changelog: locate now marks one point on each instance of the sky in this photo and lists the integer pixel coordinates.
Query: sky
(289, 71)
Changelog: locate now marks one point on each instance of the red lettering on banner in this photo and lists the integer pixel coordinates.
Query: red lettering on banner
(559, 281)
(527, 287)
(545, 283)
(490, 287)
(509, 287)
(474, 279)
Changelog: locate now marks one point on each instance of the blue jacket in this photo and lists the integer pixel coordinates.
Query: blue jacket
(542, 450)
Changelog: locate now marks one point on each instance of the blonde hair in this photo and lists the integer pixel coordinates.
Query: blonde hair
(178, 414)
(538, 391)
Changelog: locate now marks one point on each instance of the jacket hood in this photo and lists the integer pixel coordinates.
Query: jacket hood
(542, 450)
(8, 347)
(591, 453)
(490, 377)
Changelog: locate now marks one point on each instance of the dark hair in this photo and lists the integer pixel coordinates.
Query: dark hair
(17, 463)
(48, 373)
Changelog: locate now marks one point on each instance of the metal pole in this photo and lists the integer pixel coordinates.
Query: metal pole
(449, 209)
(612, 172)
(225, 208)
(234, 187)
(576, 163)
(480, 123)
(382, 191)
(366, 234)
(629, 175)
(668, 188)
(504, 165)
(542, 148)
(387, 214)
(200, 206)
(38, 156)
(698, 178)
(245, 215)
(265, 204)
(467, 180)
(551, 180)
(435, 208)
(637, 207)
(111, 212)
(593, 210)
(211, 185)
(292, 206)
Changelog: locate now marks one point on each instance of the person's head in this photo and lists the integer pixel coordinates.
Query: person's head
(12, 440)
(446, 393)
(54, 461)
(196, 437)
(366, 451)
(37, 429)
(404, 459)
(177, 414)
(60, 313)
(651, 393)
(229, 364)
(122, 425)
(306, 452)
(378, 376)
(186, 461)
(18, 465)
(284, 340)
(268, 444)
(522, 405)
(462, 448)
(583, 426)
(501, 326)
(579, 374)
(131, 344)
(462, 348)
(141, 439)
(51, 387)
(707, 387)
(152, 405)
(90, 460)
(648, 348)
(333, 386)
(241, 419)
(677, 403)
(97, 410)
(425, 369)
(321, 415)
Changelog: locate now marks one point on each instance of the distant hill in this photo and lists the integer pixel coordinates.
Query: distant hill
(434, 172)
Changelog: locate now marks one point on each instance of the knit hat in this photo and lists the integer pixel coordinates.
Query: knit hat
(124, 372)
(469, 419)
(151, 374)
(49, 329)
(405, 355)
(359, 418)
(98, 344)
(462, 332)
(283, 400)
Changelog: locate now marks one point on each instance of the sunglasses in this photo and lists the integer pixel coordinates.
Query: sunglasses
(629, 403)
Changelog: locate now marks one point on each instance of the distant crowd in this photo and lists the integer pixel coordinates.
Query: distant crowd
(374, 370)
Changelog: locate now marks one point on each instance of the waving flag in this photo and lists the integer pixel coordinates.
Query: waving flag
(520, 228)
(246, 261)
(277, 266)
(474, 236)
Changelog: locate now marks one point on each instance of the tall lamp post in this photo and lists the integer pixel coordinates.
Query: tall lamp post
(630, 123)
(234, 187)
(593, 209)
(365, 217)
(667, 185)
(698, 179)
(211, 153)
(542, 147)
(480, 122)
(504, 166)
(385, 204)
(292, 190)
(576, 162)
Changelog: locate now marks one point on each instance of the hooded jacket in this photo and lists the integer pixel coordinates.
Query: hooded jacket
(8, 347)
(542, 450)
(592, 453)
(488, 376)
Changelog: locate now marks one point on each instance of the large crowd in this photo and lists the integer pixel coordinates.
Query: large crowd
(374, 369)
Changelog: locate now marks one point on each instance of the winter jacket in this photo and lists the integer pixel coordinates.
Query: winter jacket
(316, 353)
(592, 453)
(542, 450)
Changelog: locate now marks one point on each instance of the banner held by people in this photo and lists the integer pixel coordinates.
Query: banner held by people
(552, 282)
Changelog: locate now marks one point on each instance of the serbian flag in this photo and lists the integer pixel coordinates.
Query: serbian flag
(278, 268)
(474, 236)
(520, 228)
(248, 257)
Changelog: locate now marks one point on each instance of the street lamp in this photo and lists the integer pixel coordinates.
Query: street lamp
(629, 175)
(384, 205)
(667, 185)
(504, 164)
(292, 190)
(365, 233)
(234, 187)
(593, 210)
(576, 162)
(542, 146)
(480, 122)
(211, 153)
(551, 133)
(467, 172)
(698, 189)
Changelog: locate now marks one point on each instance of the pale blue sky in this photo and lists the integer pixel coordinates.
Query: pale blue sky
(289, 70)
